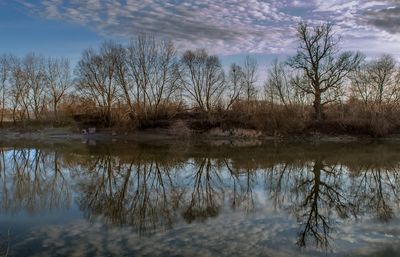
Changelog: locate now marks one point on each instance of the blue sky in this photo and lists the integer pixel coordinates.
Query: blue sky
(229, 28)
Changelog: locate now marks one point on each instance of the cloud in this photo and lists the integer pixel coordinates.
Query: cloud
(222, 26)
(387, 19)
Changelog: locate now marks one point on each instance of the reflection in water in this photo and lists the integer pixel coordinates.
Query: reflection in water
(32, 180)
(154, 190)
(319, 192)
(376, 190)
(206, 193)
(135, 193)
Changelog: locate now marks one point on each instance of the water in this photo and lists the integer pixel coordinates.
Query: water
(199, 199)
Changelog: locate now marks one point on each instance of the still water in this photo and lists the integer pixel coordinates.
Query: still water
(199, 199)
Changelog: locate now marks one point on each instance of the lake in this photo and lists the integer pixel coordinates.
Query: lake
(192, 198)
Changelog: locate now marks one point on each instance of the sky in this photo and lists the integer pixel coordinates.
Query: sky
(231, 29)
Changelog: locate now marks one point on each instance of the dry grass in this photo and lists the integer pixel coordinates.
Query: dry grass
(350, 118)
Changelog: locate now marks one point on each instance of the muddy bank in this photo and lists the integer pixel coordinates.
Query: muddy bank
(214, 135)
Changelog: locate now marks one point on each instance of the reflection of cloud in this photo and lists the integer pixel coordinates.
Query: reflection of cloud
(231, 235)
(225, 26)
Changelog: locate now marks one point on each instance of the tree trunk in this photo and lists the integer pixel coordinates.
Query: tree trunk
(109, 116)
(55, 110)
(317, 106)
(3, 105)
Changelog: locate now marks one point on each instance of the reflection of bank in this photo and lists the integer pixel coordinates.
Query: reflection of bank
(151, 192)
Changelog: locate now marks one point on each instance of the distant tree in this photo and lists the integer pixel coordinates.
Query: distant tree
(34, 72)
(250, 79)
(202, 79)
(281, 85)
(58, 79)
(377, 81)
(151, 67)
(96, 73)
(5, 71)
(236, 84)
(325, 68)
(19, 90)
(278, 86)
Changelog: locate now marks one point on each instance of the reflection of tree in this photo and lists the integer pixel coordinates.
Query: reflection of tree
(242, 184)
(281, 183)
(317, 192)
(207, 195)
(32, 180)
(376, 189)
(322, 192)
(147, 194)
(140, 194)
(148, 190)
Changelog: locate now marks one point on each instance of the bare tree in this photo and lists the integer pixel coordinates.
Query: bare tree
(96, 77)
(58, 79)
(19, 91)
(278, 87)
(150, 67)
(203, 79)
(124, 81)
(319, 58)
(235, 84)
(4, 77)
(33, 67)
(250, 79)
(281, 85)
(375, 82)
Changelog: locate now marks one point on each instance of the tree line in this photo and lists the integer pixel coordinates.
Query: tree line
(148, 78)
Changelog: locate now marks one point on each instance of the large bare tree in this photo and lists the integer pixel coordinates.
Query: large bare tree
(318, 56)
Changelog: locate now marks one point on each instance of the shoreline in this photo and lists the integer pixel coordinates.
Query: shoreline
(60, 134)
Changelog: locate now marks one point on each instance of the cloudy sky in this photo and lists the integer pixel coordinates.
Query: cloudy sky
(229, 28)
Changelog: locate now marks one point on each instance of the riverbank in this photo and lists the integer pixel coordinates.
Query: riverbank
(174, 133)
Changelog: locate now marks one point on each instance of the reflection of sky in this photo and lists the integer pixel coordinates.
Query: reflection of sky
(260, 234)
(30, 173)
(268, 230)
